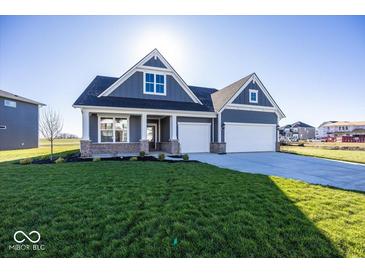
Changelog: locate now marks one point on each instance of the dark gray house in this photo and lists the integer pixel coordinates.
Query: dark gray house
(150, 107)
(297, 131)
(18, 121)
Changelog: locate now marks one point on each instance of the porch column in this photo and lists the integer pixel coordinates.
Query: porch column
(144, 126)
(85, 125)
(173, 127)
(219, 128)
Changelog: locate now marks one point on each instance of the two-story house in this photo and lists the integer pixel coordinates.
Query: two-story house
(151, 108)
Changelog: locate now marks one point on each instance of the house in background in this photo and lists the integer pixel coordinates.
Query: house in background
(19, 119)
(342, 131)
(151, 108)
(297, 131)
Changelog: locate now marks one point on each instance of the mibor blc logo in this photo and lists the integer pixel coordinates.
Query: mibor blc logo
(23, 239)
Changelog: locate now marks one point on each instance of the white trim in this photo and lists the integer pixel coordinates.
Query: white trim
(4, 127)
(193, 123)
(138, 111)
(85, 125)
(250, 107)
(9, 103)
(139, 65)
(264, 90)
(248, 124)
(106, 115)
(255, 91)
(219, 127)
(155, 126)
(154, 83)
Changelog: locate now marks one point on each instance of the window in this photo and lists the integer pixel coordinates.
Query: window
(253, 96)
(9, 103)
(113, 130)
(2, 127)
(154, 84)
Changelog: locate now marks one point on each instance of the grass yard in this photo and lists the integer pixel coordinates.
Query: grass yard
(343, 155)
(60, 145)
(153, 209)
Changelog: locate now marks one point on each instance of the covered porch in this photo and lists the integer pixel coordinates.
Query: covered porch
(106, 134)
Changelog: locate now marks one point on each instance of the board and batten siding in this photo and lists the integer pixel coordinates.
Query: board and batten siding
(133, 88)
(154, 62)
(247, 116)
(21, 125)
(243, 97)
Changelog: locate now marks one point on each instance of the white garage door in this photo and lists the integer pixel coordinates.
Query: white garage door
(250, 137)
(194, 137)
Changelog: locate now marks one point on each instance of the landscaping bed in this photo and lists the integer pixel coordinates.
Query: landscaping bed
(76, 157)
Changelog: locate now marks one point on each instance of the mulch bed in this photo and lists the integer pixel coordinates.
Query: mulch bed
(73, 158)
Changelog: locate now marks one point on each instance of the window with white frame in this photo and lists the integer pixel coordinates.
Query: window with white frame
(113, 129)
(9, 103)
(154, 83)
(253, 96)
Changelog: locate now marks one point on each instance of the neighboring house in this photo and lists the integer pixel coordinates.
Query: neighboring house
(297, 131)
(19, 118)
(321, 131)
(344, 131)
(151, 108)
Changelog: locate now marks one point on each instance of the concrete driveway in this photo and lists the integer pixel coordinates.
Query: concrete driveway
(308, 169)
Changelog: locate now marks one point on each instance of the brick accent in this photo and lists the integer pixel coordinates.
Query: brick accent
(170, 147)
(218, 147)
(144, 146)
(89, 149)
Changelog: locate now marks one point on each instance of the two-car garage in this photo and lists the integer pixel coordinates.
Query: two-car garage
(239, 137)
(248, 137)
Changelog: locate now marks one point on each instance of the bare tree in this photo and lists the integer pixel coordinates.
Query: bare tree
(50, 126)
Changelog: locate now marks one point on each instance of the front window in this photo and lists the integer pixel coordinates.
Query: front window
(154, 84)
(113, 129)
(253, 96)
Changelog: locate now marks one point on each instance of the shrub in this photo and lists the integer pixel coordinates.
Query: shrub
(185, 157)
(26, 161)
(96, 159)
(142, 153)
(60, 160)
(134, 158)
(161, 156)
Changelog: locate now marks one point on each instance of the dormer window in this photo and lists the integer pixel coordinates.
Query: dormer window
(154, 83)
(253, 96)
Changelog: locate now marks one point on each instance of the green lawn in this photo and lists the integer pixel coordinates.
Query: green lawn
(60, 145)
(153, 209)
(343, 155)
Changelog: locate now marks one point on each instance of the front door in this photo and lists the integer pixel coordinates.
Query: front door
(152, 136)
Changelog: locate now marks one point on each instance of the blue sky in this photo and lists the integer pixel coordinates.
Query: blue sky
(314, 67)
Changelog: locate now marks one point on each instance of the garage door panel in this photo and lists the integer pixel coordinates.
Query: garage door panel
(194, 137)
(250, 137)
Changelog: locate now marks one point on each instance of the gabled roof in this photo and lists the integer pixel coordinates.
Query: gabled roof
(223, 96)
(141, 65)
(90, 97)
(300, 124)
(13, 96)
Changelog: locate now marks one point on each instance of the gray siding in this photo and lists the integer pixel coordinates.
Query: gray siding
(247, 116)
(243, 98)
(165, 129)
(155, 63)
(21, 125)
(133, 88)
(134, 128)
(93, 127)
